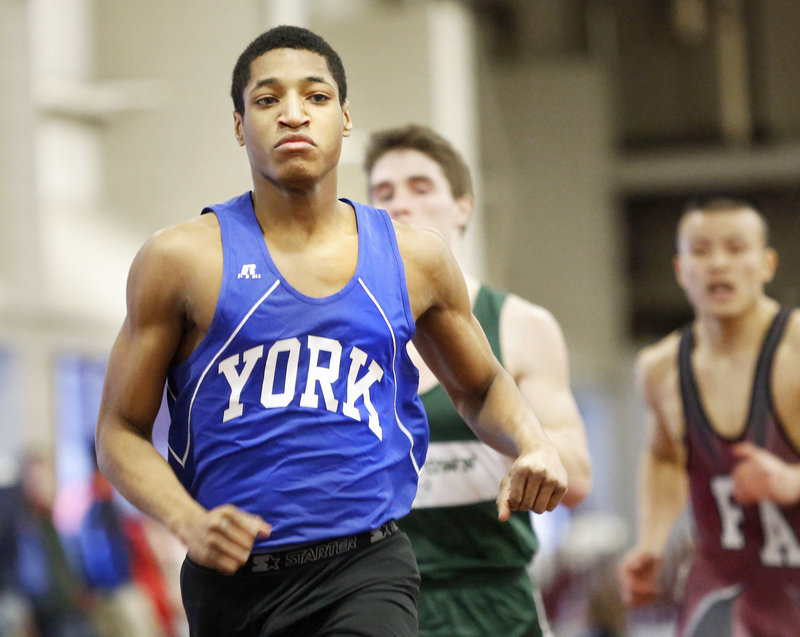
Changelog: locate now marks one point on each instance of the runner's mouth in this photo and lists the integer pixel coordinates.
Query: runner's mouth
(720, 288)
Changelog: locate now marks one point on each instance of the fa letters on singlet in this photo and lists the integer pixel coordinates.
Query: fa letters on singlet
(781, 548)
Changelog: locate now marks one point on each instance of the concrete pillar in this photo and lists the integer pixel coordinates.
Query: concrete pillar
(452, 69)
(19, 239)
(26, 407)
(277, 12)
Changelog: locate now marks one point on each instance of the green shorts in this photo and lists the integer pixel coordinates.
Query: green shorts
(485, 604)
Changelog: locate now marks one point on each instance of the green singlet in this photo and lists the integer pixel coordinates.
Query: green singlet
(474, 568)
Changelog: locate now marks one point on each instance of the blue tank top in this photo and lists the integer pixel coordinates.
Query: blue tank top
(302, 410)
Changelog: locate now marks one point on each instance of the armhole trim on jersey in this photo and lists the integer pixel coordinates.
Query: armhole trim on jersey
(399, 422)
(181, 460)
(401, 269)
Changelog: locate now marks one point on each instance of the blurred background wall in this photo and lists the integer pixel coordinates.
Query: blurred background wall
(586, 122)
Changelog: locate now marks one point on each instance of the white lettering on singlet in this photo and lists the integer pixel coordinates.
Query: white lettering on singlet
(269, 398)
(236, 380)
(780, 544)
(325, 376)
(460, 472)
(780, 549)
(356, 388)
(320, 375)
(730, 514)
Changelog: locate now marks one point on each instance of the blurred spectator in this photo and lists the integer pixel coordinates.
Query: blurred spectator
(130, 594)
(42, 577)
(578, 581)
(15, 612)
(113, 585)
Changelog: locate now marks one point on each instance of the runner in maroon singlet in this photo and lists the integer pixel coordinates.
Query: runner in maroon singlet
(723, 408)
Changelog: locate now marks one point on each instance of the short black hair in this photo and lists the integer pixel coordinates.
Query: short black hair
(723, 203)
(285, 37)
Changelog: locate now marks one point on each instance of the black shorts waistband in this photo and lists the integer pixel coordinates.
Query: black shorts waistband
(324, 550)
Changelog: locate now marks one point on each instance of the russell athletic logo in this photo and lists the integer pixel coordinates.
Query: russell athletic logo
(248, 272)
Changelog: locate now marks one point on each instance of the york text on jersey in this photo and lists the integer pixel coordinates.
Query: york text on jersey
(284, 356)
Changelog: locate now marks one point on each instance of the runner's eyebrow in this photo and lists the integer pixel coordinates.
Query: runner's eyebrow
(271, 81)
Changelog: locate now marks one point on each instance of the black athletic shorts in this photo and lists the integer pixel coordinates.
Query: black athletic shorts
(369, 591)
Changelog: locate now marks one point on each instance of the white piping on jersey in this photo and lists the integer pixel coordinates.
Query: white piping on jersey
(182, 461)
(541, 613)
(720, 595)
(394, 375)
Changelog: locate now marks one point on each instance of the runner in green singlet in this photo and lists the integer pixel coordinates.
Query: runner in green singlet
(474, 568)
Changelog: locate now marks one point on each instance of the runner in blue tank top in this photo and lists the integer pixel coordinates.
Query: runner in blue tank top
(279, 322)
